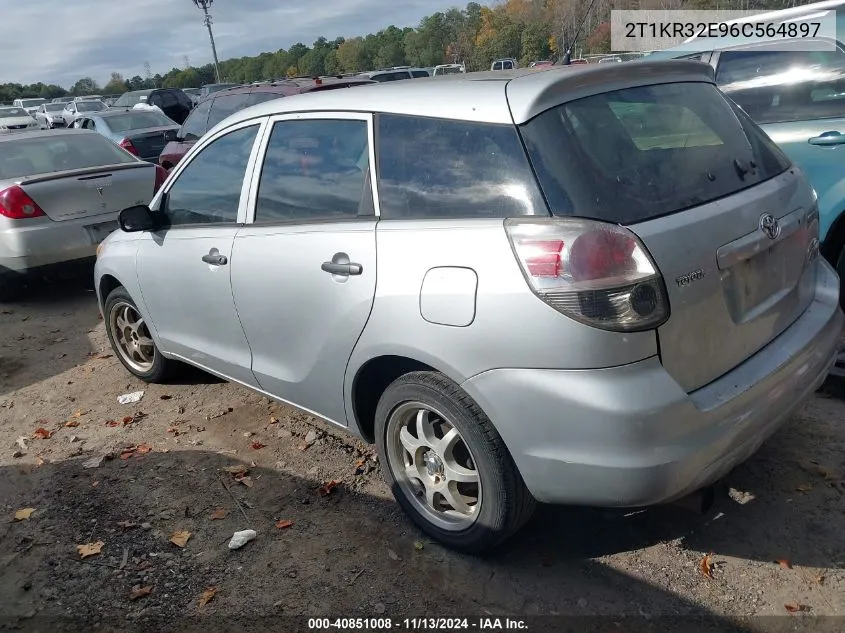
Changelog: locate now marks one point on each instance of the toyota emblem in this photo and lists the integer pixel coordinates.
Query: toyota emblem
(770, 226)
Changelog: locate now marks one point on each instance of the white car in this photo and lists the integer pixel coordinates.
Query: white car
(14, 119)
(75, 109)
(30, 105)
(49, 115)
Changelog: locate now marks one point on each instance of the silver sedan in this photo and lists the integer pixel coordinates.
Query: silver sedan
(74, 109)
(60, 193)
(49, 115)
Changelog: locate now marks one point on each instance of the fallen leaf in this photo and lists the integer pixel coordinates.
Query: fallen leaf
(219, 513)
(78, 414)
(784, 562)
(165, 397)
(804, 488)
(127, 453)
(326, 489)
(90, 549)
(419, 546)
(245, 480)
(72, 423)
(207, 596)
(94, 484)
(40, 461)
(393, 555)
(24, 514)
(103, 356)
(140, 592)
(180, 539)
(126, 524)
(112, 423)
(174, 431)
(284, 523)
(42, 434)
(819, 580)
(705, 566)
(143, 449)
(240, 469)
(274, 420)
(257, 445)
(794, 607)
(128, 419)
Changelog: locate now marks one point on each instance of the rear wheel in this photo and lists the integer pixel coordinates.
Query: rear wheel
(447, 466)
(131, 341)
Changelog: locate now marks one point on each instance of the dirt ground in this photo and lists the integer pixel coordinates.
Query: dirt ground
(352, 553)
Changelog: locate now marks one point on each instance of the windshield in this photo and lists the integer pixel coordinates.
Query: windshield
(129, 99)
(137, 120)
(31, 103)
(90, 106)
(635, 154)
(47, 154)
(54, 107)
(9, 113)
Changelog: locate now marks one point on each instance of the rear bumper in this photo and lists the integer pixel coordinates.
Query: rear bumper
(630, 436)
(38, 242)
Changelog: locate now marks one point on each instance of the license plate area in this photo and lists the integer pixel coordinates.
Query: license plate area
(100, 231)
(761, 282)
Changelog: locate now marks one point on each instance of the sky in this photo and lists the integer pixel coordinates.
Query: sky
(93, 38)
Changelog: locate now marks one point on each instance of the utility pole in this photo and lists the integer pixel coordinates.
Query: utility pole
(207, 20)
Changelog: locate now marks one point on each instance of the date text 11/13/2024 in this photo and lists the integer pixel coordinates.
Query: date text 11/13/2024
(418, 624)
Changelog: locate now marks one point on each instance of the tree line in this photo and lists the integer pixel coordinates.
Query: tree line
(526, 30)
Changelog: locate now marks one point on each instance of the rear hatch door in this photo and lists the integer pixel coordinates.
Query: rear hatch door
(730, 224)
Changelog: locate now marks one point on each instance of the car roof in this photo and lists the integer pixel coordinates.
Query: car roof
(507, 97)
(289, 87)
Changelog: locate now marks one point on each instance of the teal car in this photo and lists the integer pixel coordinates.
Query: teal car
(798, 97)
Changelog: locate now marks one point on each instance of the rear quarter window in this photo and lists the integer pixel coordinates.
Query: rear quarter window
(438, 168)
(632, 155)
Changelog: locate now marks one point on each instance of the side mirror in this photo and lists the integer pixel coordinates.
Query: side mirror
(139, 218)
(171, 135)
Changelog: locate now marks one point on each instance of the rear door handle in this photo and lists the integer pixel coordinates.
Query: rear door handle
(828, 139)
(215, 259)
(342, 269)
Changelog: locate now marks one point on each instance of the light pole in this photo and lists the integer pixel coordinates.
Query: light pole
(204, 4)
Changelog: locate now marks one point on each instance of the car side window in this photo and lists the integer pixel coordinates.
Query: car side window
(208, 190)
(226, 105)
(439, 168)
(260, 97)
(315, 170)
(784, 85)
(165, 99)
(196, 123)
(88, 124)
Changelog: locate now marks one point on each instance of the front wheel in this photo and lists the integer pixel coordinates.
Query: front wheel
(447, 466)
(131, 341)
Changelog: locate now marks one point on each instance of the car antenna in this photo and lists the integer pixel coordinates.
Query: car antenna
(567, 57)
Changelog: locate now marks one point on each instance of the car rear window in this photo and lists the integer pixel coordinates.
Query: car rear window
(632, 155)
(129, 99)
(438, 168)
(47, 154)
(136, 120)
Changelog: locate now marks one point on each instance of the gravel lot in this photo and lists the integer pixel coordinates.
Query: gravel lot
(351, 552)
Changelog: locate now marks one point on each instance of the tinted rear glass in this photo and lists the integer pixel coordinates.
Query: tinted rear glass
(632, 155)
(46, 154)
(136, 120)
(90, 106)
(438, 168)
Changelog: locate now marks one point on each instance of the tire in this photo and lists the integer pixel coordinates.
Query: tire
(502, 502)
(840, 270)
(143, 360)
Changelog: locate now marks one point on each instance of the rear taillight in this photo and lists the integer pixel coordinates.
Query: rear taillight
(161, 176)
(599, 274)
(128, 146)
(15, 204)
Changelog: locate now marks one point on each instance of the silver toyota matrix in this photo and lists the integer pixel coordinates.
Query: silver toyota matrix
(579, 285)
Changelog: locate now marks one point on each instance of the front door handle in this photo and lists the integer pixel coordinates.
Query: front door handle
(342, 269)
(828, 139)
(215, 259)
